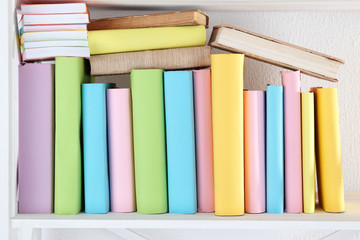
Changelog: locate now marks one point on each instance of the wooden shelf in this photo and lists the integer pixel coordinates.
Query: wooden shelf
(349, 220)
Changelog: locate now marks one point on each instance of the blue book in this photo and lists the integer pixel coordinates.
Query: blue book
(274, 149)
(96, 179)
(180, 140)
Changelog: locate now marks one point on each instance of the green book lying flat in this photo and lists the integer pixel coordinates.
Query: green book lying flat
(149, 140)
(69, 75)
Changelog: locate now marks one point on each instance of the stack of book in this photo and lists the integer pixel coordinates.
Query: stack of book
(49, 30)
(169, 40)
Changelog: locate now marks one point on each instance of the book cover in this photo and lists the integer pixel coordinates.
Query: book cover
(95, 147)
(53, 19)
(70, 73)
(204, 140)
(128, 40)
(274, 149)
(180, 141)
(227, 118)
(36, 138)
(328, 150)
(147, 94)
(292, 130)
(308, 151)
(254, 151)
(121, 164)
(53, 8)
(168, 59)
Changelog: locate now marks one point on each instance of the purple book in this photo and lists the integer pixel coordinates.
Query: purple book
(35, 163)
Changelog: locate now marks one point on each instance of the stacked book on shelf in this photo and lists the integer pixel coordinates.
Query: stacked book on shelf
(49, 30)
(182, 139)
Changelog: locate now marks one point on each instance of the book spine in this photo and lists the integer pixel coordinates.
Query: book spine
(292, 129)
(254, 151)
(69, 75)
(204, 141)
(308, 151)
(274, 150)
(227, 110)
(35, 168)
(149, 140)
(180, 141)
(122, 185)
(330, 178)
(96, 179)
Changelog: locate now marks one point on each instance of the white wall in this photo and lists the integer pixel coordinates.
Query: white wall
(334, 33)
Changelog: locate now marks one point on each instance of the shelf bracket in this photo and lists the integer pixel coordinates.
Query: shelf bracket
(126, 234)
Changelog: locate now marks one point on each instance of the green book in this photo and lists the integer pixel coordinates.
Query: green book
(149, 140)
(70, 73)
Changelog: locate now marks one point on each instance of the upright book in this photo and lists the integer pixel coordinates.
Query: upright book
(70, 73)
(36, 138)
(328, 150)
(274, 149)
(275, 52)
(164, 19)
(227, 116)
(149, 140)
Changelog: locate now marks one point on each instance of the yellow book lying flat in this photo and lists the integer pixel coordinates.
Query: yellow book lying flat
(227, 112)
(127, 40)
(308, 151)
(329, 166)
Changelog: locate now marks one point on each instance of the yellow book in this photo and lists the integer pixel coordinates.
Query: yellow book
(128, 40)
(329, 166)
(308, 151)
(228, 147)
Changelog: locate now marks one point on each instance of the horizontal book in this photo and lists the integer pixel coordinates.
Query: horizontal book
(53, 8)
(168, 59)
(129, 40)
(45, 28)
(165, 19)
(64, 43)
(53, 35)
(50, 19)
(52, 52)
(276, 52)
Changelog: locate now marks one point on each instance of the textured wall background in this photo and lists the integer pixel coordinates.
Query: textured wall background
(334, 33)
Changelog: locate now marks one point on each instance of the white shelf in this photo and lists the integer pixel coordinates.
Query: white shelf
(349, 220)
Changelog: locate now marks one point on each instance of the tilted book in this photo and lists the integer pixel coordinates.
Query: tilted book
(275, 52)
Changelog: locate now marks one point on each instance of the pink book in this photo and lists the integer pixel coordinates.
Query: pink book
(36, 138)
(203, 126)
(121, 166)
(45, 28)
(292, 127)
(254, 154)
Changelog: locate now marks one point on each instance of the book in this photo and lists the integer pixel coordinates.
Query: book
(55, 43)
(46, 28)
(36, 138)
(292, 140)
(227, 119)
(53, 35)
(70, 73)
(149, 140)
(129, 40)
(254, 151)
(164, 19)
(95, 147)
(308, 151)
(45, 53)
(168, 59)
(276, 52)
(204, 140)
(328, 150)
(53, 8)
(180, 141)
(274, 149)
(53, 19)
(121, 163)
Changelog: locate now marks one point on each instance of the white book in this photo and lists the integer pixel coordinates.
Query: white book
(53, 8)
(55, 35)
(51, 19)
(43, 28)
(63, 43)
(36, 54)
